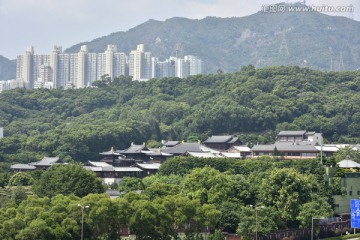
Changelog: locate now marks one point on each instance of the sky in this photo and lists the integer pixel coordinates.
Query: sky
(45, 23)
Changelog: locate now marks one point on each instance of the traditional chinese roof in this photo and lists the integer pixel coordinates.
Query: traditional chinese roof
(221, 139)
(296, 148)
(134, 149)
(111, 152)
(98, 164)
(203, 155)
(292, 133)
(127, 169)
(242, 148)
(284, 147)
(22, 167)
(159, 153)
(207, 149)
(46, 161)
(94, 169)
(347, 163)
(182, 148)
(171, 143)
(268, 148)
(231, 154)
(148, 166)
(112, 169)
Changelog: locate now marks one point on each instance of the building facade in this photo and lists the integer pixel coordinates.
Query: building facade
(79, 70)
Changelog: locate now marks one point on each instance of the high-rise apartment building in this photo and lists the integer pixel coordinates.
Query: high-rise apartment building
(81, 80)
(195, 64)
(69, 70)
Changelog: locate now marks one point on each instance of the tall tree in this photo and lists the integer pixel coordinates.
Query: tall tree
(68, 179)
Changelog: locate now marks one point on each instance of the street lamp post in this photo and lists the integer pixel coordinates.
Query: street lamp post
(312, 226)
(82, 219)
(256, 221)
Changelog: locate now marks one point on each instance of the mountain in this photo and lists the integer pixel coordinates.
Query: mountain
(262, 39)
(7, 68)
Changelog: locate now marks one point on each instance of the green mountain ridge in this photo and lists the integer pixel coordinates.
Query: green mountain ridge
(261, 39)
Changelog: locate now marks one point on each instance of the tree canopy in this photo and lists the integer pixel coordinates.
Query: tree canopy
(68, 179)
(77, 124)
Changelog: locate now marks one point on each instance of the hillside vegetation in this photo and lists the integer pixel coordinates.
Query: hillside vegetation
(7, 68)
(253, 103)
(261, 39)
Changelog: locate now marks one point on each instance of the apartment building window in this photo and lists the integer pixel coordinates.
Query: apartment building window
(350, 193)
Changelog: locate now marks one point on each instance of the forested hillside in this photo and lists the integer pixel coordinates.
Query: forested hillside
(261, 39)
(252, 103)
(7, 68)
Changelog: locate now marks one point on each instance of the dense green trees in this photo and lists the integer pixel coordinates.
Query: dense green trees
(79, 123)
(68, 179)
(21, 179)
(190, 200)
(188, 193)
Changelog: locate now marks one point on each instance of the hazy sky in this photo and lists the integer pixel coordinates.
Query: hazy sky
(44, 23)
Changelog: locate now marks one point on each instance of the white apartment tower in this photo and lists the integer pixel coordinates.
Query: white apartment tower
(109, 58)
(81, 69)
(136, 63)
(54, 64)
(181, 68)
(25, 66)
(91, 68)
(120, 64)
(140, 64)
(195, 64)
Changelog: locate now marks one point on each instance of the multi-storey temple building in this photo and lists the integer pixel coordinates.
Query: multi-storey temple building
(69, 70)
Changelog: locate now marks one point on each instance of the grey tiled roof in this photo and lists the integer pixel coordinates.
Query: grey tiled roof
(127, 169)
(303, 143)
(158, 153)
(171, 143)
(203, 155)
(268, 148)
(46, 161)
(94, 169)
(296, 148)
(110, 153)
(98, 164)
(242, 148)
(22, 166)
(233, 140)
(133, 149)
(219, 139)
(112, 169)
(285, 147)
(291, 133)
(183, 148)
(148, 166)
